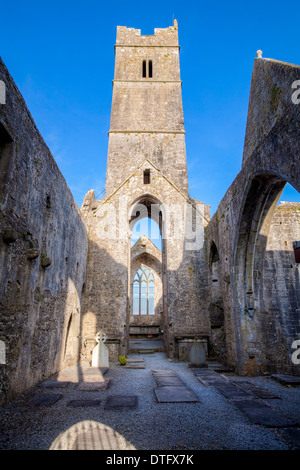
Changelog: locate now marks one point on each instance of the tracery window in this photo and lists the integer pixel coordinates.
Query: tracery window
(143, 292)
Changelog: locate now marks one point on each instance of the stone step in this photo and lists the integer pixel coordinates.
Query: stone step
(134, 359)
(134, 365)
(146, 351)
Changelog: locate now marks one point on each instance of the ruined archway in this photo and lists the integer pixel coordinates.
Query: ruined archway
(256, 320)
(217, 344)
(145, 254)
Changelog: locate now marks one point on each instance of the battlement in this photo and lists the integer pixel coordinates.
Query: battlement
(162, 36)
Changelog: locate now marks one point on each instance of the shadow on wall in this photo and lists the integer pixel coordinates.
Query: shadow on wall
(43, 250)
(258, 277)
(104, 303)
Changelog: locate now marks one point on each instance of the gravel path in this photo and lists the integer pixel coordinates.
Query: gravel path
(212, 423)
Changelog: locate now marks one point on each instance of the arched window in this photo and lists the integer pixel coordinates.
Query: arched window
(143, 292)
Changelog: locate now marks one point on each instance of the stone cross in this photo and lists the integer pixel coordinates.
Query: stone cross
(100, 355)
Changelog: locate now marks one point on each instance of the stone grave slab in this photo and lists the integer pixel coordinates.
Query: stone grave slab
(44, 399)
(93, 386)
(257, 391)
(287, 379)
(164, 380)
(54, 384)
(175, 394)
(233, 392)
(83, 402)
(205, 372)
(121, 402)
(211, 381)
(260, 413)
(164, 372)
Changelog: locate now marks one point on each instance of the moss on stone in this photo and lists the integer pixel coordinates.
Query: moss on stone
(275, 95)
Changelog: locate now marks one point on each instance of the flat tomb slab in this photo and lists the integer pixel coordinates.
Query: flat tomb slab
(44, 399)
(211, 381)
(93, 386)
(164, 372)
(286, 379)
(84, 402)
(233, 392)
(164, 380)
(260, 413)
(201, 371)
(175, 394)
(257, 391)
(121, 402)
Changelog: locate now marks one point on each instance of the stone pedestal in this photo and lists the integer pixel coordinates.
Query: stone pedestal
(198, 354)
(193, 350)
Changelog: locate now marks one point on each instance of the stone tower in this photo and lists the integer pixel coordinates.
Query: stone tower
(146, 177)
(146, 114)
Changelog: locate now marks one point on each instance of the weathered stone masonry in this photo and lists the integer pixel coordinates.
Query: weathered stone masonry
(66, 273)
(146, 135)
(254, 285)
(43, 248)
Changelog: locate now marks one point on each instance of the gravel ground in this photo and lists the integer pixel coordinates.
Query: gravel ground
(210, 424)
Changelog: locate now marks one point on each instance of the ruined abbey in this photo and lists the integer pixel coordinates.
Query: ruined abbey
(230, 282)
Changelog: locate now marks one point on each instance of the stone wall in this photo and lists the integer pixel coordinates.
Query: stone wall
(280, 318)
(146, 114)
(43, 249)
(241, 227)
(184, 272)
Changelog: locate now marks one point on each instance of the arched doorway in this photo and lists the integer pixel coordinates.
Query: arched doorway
(265, 329)
(147, 270)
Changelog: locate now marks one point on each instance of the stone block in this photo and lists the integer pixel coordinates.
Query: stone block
(44, 399)
(121, 402)
(165, 380)
(54, 384)
(288, 380)
(260, 413)
(84, 402)
(93, 386)
(175, 394)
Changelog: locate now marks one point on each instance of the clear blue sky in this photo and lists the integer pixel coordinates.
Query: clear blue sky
(61, 56)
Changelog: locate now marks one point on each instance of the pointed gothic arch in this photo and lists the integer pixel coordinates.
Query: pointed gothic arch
(143, 292)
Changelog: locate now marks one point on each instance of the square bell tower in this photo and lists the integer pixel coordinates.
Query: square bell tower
(146, 113)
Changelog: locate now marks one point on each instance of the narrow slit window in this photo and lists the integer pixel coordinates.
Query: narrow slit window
(144, 69)
(6, 148)
(146, 176)
(147, 68)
